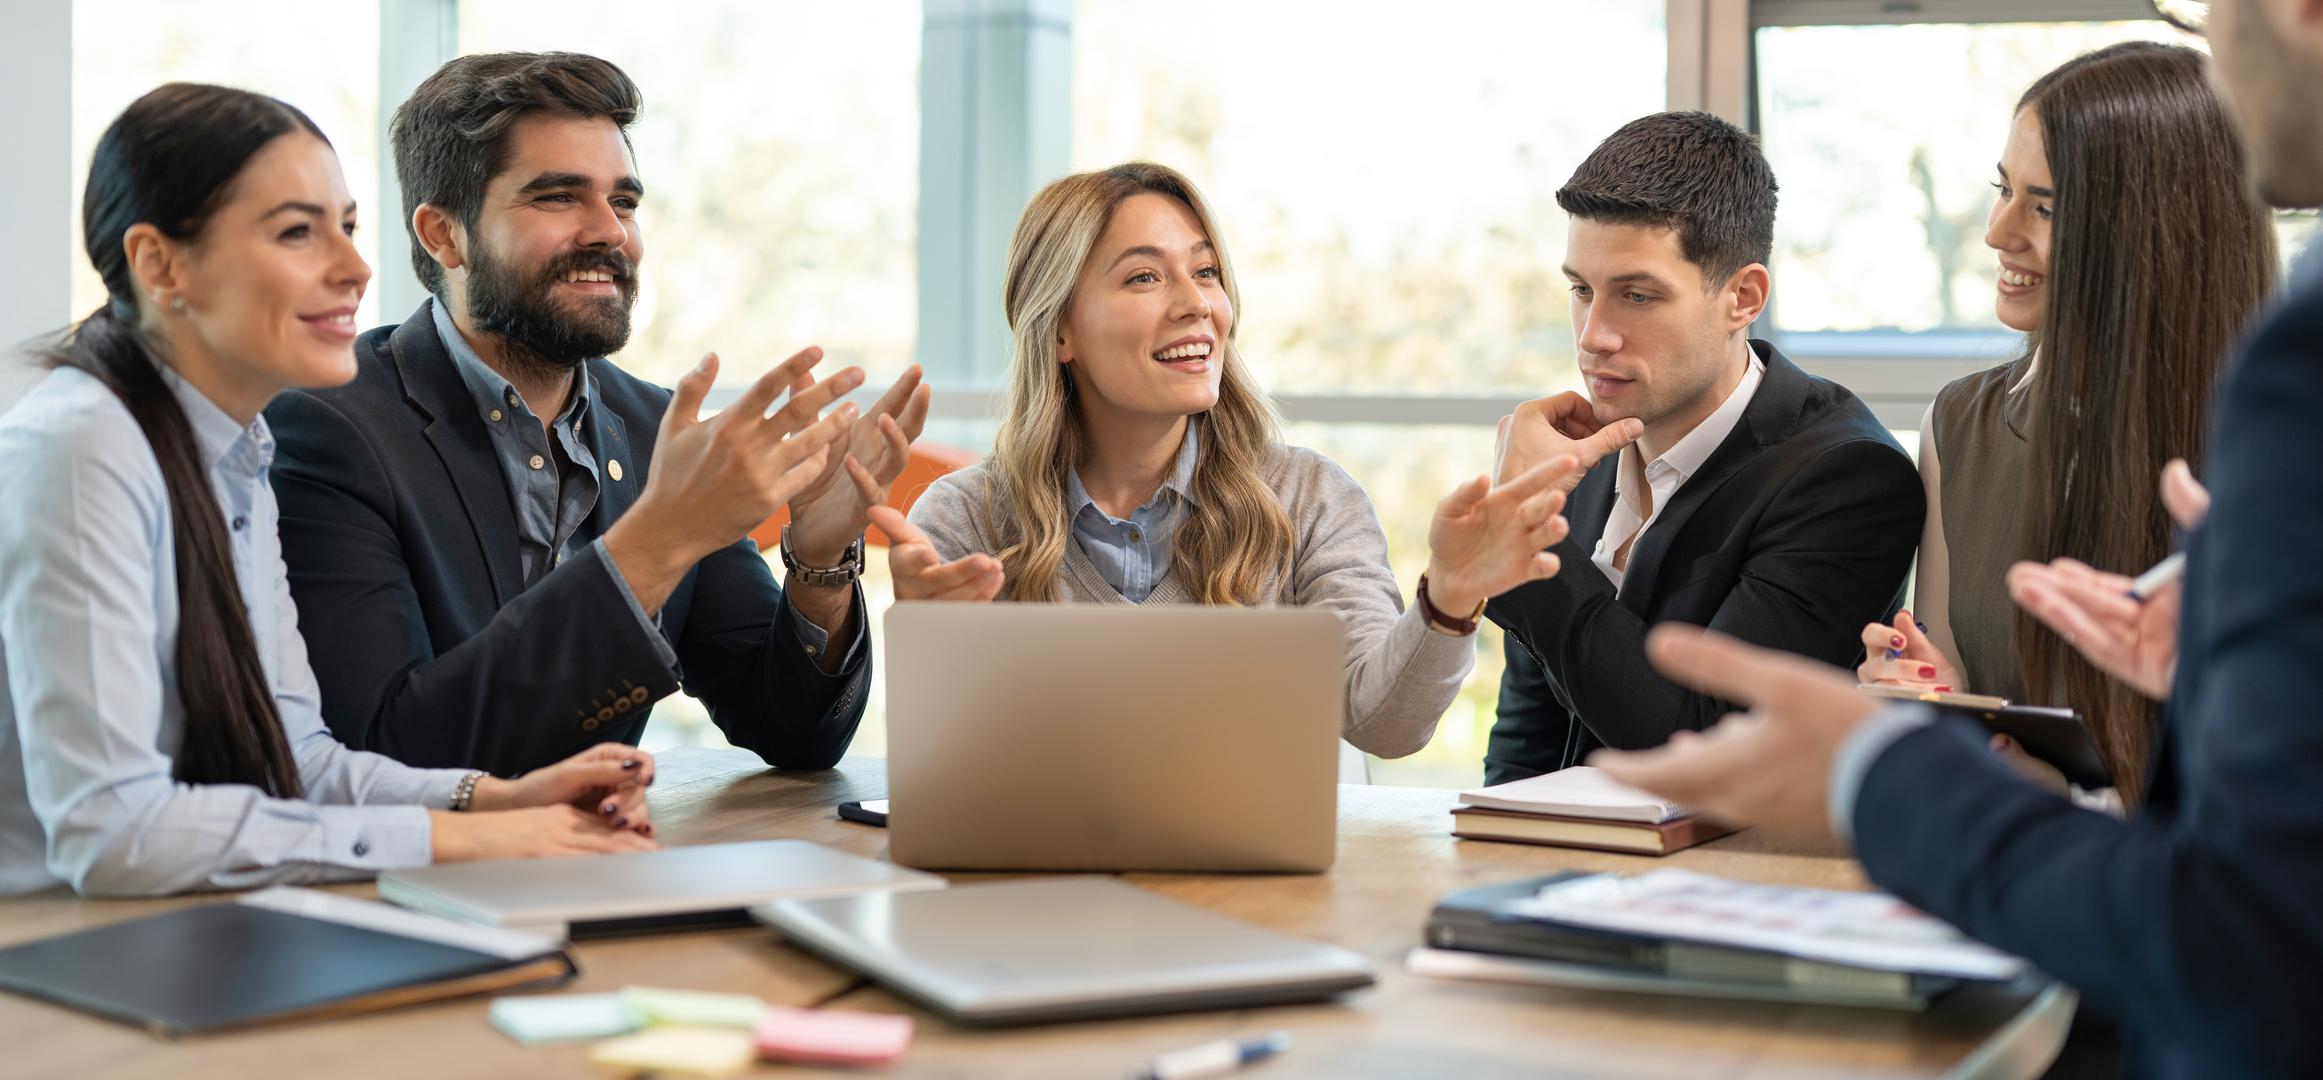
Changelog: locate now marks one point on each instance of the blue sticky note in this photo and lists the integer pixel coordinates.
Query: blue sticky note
(552, 1018)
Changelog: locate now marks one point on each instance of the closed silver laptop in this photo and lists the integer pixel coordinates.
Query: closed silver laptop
(1113, 737)
(1077, 948)
(674, 888)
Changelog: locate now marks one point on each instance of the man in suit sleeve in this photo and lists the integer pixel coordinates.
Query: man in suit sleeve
(1723, 486)
(503, 547)
(2198, 922)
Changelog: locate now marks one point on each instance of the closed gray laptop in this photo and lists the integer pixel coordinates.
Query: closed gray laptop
(674, 888)
(1079, 948)
(1113, 736)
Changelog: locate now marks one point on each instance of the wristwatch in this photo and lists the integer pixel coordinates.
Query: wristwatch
(850, 565)
(1438, 620)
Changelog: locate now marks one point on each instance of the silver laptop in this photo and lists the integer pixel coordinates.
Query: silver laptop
(1077, 948)
(1113, 737)
(674, 888)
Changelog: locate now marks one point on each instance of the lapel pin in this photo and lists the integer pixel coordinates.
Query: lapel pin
(614, 466)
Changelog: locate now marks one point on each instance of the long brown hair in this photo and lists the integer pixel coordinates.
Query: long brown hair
(170, 160)
(1236, 534)
(2159, 257)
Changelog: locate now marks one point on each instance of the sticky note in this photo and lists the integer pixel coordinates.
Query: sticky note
(693, 1007)
(690, 1051)
(547, 1018)
(832, 1038)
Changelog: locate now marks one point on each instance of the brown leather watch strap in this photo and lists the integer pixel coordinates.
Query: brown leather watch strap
(1457, 627)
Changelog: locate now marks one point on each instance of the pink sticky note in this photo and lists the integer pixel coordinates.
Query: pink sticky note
(832, 1038)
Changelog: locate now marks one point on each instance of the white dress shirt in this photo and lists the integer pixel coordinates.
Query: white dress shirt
(89, 708)
(1658, 480)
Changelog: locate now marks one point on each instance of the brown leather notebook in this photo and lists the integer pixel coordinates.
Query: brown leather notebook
(1630, 837)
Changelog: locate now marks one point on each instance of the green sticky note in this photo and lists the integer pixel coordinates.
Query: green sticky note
(550, 1018)
(689, 1051)
(693, 1007)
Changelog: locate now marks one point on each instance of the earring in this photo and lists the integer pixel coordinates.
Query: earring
(177, 304)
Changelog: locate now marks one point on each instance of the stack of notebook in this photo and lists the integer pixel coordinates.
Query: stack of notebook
(1677, 932)
(1580, 807)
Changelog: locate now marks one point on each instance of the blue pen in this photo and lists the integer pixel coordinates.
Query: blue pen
(1897, 654)
(1214, 1058)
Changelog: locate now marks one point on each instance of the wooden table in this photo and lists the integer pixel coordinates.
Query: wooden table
(1396, 856)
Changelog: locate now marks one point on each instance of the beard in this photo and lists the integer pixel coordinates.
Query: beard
(523, 311)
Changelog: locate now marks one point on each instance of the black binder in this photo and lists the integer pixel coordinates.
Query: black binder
(217, 966)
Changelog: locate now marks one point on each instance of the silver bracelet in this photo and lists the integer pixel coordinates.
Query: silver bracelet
(465, 794)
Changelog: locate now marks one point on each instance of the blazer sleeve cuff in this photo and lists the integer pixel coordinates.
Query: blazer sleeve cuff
(649, 624)
(1861, 750)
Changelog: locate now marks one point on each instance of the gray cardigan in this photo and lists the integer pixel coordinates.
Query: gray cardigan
(1401, 675)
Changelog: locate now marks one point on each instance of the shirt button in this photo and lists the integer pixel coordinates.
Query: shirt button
(241, 523)
(1136, 535)
(362, 848)
(495, 416)
(538, 461)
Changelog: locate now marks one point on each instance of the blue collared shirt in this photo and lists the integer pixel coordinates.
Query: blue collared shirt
(1134, 553)
(89, 706)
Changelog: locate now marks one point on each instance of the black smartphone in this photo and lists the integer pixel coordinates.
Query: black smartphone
(2057, 736)
(868, 811)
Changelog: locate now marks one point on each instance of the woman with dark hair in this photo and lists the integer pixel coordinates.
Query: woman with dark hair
(2131, 255)
(158, 723)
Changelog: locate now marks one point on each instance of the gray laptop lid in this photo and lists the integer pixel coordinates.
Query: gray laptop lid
(1113, 736)
(552, 895)
(1061, 949)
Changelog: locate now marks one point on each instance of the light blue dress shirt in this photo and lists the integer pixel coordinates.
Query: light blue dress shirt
(1133, 554)
(89, 707)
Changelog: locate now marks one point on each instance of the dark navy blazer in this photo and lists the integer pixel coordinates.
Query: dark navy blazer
(402, 544)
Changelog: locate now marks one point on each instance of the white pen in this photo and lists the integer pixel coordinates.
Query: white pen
(1214, 1058)
(2163, 573)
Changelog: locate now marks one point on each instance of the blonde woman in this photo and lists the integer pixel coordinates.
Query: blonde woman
(1139, 464)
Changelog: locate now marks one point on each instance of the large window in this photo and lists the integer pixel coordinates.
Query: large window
(322, 58)
(1386, 178)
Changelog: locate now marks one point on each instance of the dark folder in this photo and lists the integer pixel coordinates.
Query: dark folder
(217, 966)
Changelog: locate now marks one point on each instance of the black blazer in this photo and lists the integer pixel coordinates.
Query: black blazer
(401, 541)
(2198, 923)
(1797, 531)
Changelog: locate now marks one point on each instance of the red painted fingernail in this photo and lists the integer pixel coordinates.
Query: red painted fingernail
(609, 807)
(1896, 642)
(630, 764)
(646, 829)
(1943, 689)
(621, 823)
(1927, 671)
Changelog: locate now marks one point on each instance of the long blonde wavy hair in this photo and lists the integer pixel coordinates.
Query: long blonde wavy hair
(1236, 534)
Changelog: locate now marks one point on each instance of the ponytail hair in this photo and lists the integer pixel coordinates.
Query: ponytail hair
(169, 161)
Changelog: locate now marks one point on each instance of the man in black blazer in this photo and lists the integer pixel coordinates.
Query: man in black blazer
(503, 547)
(2198, 922)
(1724, 486)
